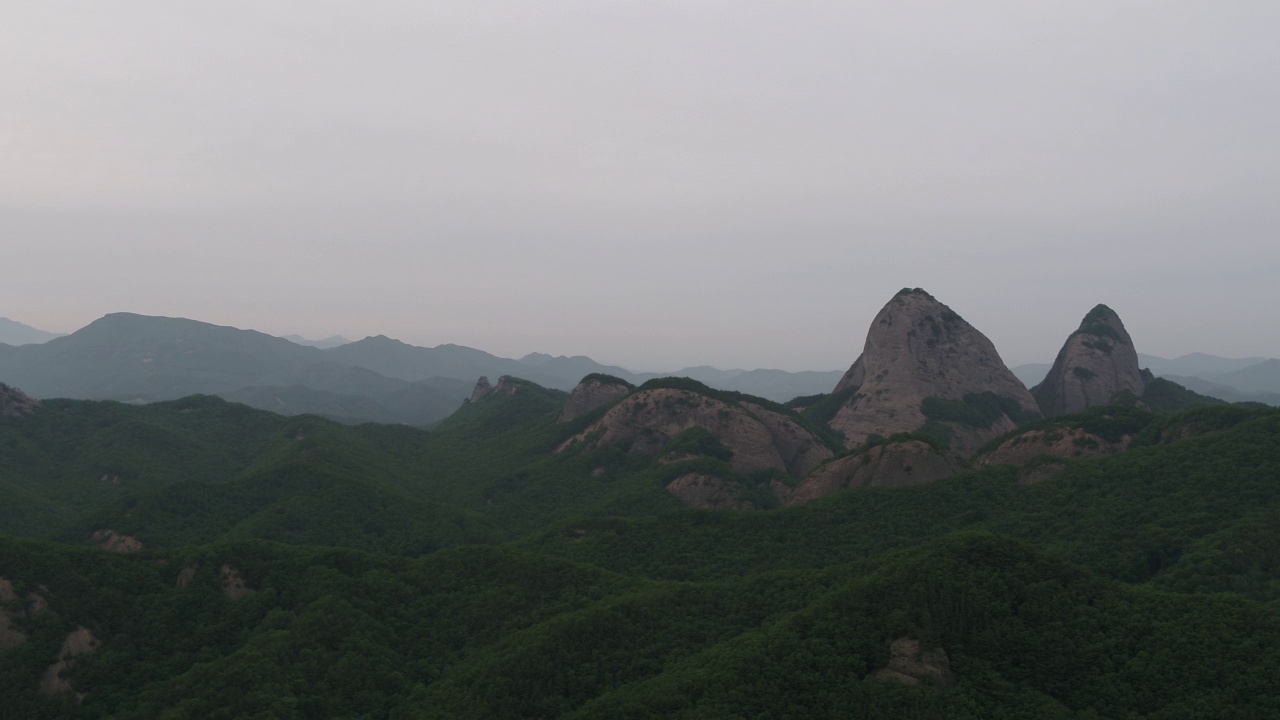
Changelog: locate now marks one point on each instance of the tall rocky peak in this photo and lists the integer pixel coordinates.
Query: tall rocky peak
(482, 389)
(594, 391)
(1097, 361)
(921, 357)
(14, 403)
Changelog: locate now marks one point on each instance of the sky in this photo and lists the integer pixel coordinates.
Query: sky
(652, 184)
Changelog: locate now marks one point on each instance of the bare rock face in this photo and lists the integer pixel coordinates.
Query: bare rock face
(79, 642)
(14, 403)
(912, 665)
(1097, 361)
(10, 637)
(481, 389)
(233, 585)
(853, 377)
(919, 349)
(594, 391)
(759, 439)
(800, 451)
(698, 490)
(112, 541)
(185, 576)
(1060, 442)
(506, 387)
(895, 464)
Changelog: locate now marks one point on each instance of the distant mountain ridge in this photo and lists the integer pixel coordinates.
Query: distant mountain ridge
(332, 341)
(1252, 379)
(13, 332)
(139, 358)
(1196, 364)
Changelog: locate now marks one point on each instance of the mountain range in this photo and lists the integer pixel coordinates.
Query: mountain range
(928, 538)
(13, 332)
(137, 358)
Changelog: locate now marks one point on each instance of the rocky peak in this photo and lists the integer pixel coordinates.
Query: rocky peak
(14, 403)
(922, 361)
(482, 389)
(1097, 361)
(594, 391)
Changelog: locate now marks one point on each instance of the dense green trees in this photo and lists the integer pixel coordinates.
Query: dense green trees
(470, 572)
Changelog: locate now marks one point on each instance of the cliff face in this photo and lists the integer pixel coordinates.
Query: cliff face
(594, 391)
(759, 439)
(481, 390)
(14, 403)
(1097, 361)
(896, 464)
(919, 350)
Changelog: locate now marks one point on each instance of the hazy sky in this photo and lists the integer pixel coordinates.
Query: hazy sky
(654, 184)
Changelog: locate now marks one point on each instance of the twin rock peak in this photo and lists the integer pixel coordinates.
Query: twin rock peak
(923, 370)
(922, 362)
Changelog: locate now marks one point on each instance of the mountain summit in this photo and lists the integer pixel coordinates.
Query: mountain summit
(922, 364)
(1097, 361)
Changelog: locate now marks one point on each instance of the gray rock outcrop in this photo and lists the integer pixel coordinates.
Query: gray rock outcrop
(917, 349)
(481, 390)
(10, 637)
(79, 642)
(759, 439)
(1097, 361)
(594, 391)
(911, 664)
(506, 387)
(14, 403)
(1068, 443)
(895, 464)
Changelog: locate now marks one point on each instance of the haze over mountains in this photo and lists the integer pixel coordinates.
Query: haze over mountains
(897, 547)
(13, 332)
(136, 358)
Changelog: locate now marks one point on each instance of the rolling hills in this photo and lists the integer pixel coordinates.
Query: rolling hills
(636, 550)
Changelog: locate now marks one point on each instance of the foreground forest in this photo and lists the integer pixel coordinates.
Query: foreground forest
(295, 567)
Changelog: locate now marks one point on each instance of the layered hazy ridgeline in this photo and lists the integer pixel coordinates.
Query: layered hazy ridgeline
(919, 540)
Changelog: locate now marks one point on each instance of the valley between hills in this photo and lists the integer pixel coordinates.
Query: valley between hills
(208, 522)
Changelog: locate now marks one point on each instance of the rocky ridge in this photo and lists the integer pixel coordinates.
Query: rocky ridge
(756, 438)
(894, 464)
(483, 389)
(1062, 443)
(1096, 362)
(14, 403)
(592, 392)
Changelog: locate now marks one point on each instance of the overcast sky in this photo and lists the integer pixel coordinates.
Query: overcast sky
(654, 184)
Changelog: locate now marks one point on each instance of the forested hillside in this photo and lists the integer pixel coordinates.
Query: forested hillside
(297, 567)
